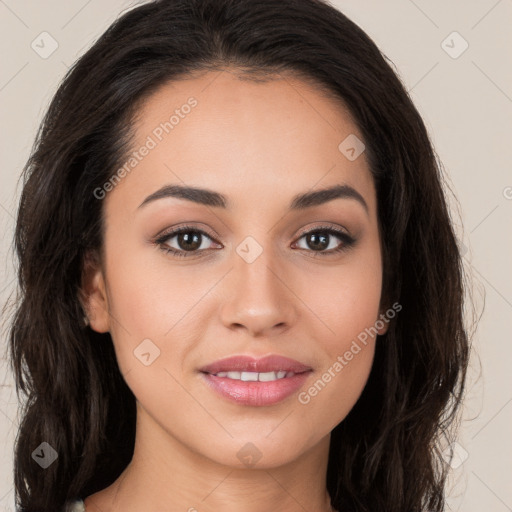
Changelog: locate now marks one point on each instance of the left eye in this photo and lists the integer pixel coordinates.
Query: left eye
(320, 237)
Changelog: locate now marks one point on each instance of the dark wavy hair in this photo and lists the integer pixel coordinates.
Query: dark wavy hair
(386, 454)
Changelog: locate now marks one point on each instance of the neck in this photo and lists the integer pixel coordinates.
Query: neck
(165, 475)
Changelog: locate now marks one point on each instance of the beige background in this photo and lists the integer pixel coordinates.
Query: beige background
(467, 105)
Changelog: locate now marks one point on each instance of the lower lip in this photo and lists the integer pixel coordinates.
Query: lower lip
(255, 392)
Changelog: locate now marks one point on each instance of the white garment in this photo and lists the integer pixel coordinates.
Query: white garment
(76, 506)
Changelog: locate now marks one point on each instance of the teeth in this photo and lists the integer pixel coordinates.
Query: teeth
(267, 377)
(247, 376)
(255, 376)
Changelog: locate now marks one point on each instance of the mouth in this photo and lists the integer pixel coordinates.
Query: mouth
(256, 376)
(257, 382)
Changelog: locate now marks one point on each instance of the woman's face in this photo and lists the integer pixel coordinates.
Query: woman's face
(251, 281)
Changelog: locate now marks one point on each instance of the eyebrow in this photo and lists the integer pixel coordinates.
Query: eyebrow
(299, 202)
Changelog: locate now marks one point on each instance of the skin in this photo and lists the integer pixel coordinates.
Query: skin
(246, 140)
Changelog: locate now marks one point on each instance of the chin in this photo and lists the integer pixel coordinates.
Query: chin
(263, 451)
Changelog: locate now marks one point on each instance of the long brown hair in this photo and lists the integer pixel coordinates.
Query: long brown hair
(385, 455)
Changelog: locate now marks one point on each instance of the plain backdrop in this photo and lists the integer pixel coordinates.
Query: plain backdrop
(455, 59)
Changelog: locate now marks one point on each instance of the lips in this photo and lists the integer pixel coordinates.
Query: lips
(255, 382)
(272, 363)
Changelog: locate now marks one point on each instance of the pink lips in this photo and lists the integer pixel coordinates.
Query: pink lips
(271, 363)
(256, 393)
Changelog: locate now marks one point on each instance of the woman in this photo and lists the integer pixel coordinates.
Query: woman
(187, 338)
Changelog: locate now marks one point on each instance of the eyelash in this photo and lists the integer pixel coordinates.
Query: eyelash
(347, 240)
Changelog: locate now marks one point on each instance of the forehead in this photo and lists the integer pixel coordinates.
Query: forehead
(225, 132)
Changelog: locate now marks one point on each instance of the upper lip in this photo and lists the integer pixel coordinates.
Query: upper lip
(272, 363)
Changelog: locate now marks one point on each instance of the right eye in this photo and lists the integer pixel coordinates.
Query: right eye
(188, 241)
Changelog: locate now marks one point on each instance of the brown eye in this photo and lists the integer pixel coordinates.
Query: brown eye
(188, 240)
(184, 240)
(323, 240)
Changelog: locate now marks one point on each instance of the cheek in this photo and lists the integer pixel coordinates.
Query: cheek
(337, 387)
(345, 298)
(146, 303)
(345, 303)
(346, 336)
(150, 295)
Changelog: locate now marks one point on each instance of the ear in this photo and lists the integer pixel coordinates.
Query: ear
(384, 306)
(93, 293)
(382, 320)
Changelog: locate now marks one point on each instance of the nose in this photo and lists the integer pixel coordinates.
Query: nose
(258, 296)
